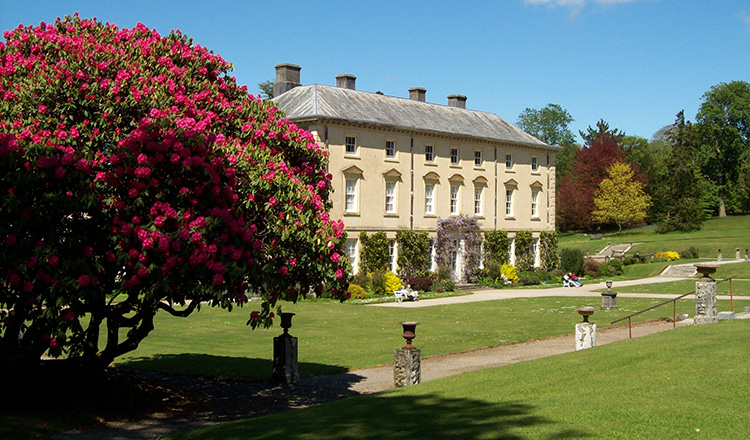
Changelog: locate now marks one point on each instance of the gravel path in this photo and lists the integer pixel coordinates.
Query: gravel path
(222, 401)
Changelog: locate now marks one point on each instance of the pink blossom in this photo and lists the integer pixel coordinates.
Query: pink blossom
(69, 316)
(254, 315)
(335, 257)
(53, 343)
(339, 273)
(84, 281)
(272, 201)
(10, 240)
(14, 279)
(218, 279)
(53, 260)
(283, 270)
(142, 272)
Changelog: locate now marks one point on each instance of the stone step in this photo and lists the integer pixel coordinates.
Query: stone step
(679, 271)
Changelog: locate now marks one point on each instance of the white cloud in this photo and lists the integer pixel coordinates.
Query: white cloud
(744, 16)
(576, 6)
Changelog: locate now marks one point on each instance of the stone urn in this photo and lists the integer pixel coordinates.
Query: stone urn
(585, 312)
(286, 321)
(409, 333)
(706, 269)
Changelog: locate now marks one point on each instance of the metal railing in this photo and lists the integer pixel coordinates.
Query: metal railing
(674, 306)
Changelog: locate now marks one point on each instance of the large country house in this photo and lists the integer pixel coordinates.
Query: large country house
(402, 163)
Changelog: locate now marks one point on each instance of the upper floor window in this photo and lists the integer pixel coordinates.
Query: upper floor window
(535, 203)
(429, 153)
(477, 158)
(351, 145)
(392, 255)
(429, 198)
(534, 164)
(478, 200)
(351, 195)
(454, 199)
(508, 161)
(509, 203)
(390, 197)
(390, 149)
(454, 156)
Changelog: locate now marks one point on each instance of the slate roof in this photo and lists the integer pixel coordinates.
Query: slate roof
(335, 104)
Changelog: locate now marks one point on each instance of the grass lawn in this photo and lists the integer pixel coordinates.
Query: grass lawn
(686, 383)
(335, 337)
(725, 233)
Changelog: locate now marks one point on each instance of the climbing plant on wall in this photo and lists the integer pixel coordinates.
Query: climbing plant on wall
(548, 250)
(496, 247)
(524, 251)
(464, 228)
(374, 251)
(413, 252)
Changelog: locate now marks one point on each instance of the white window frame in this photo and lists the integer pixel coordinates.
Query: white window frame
(478, 199)
(534, 164)
(429, 153)
(534, 203)
(454, 199)
(455, 156)
(390, 149)
(429, 198)
(392, 255)
(390, 197)
(350, 194)
(350, 148)
(508, 161)
(478, 159)
(509, 202)
(351, 252)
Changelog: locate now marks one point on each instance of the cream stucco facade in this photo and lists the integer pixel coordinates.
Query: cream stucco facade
(402, 163)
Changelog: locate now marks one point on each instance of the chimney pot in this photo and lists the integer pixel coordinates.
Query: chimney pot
(287, 78)
(417, 94)
(458, 101)
(346, 81)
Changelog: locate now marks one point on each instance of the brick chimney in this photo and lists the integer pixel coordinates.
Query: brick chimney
(458, 101)
(417, 94)
(346, 81)
(287, 78)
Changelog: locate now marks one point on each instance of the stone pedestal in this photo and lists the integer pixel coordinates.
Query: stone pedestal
(609, 299)
(407, 369)
(285, 366)
(585, 335)
(705, 301)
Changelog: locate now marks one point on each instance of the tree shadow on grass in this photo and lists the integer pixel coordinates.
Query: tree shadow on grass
(221, 367)
(395, 416)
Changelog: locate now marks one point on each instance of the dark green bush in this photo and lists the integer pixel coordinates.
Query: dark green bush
(689, 253)
(446, 285)
(528, 279)
(605, 270)
(571, 260)
(377, 282)
(362, 280)
(616, 265)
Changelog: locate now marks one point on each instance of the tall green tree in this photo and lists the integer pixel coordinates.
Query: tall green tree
(551, 125)
(602, 129)
(266, 90)
(723, 123)
(678, 193)
(620, 198)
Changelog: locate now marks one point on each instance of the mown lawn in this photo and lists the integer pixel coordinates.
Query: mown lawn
(726, 233)
(686, 383)
(336, 337)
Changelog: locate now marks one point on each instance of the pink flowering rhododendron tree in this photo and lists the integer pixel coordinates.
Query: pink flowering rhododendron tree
(137, 177)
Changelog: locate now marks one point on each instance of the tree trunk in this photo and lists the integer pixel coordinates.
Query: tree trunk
(722, 206)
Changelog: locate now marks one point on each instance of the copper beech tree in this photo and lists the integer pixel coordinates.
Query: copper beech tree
(136, 177)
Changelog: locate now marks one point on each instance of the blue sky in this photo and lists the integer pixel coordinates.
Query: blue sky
(634, 63)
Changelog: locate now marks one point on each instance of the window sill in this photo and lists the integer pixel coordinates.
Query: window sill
(536, 219)
(476, 168)
(390, 214)
(536, 173)
(352, 156)
(430, 164)
(510, 218)
(510, 170)
(351, 214)
(479, 216)
(430, 216)
(391, 159)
